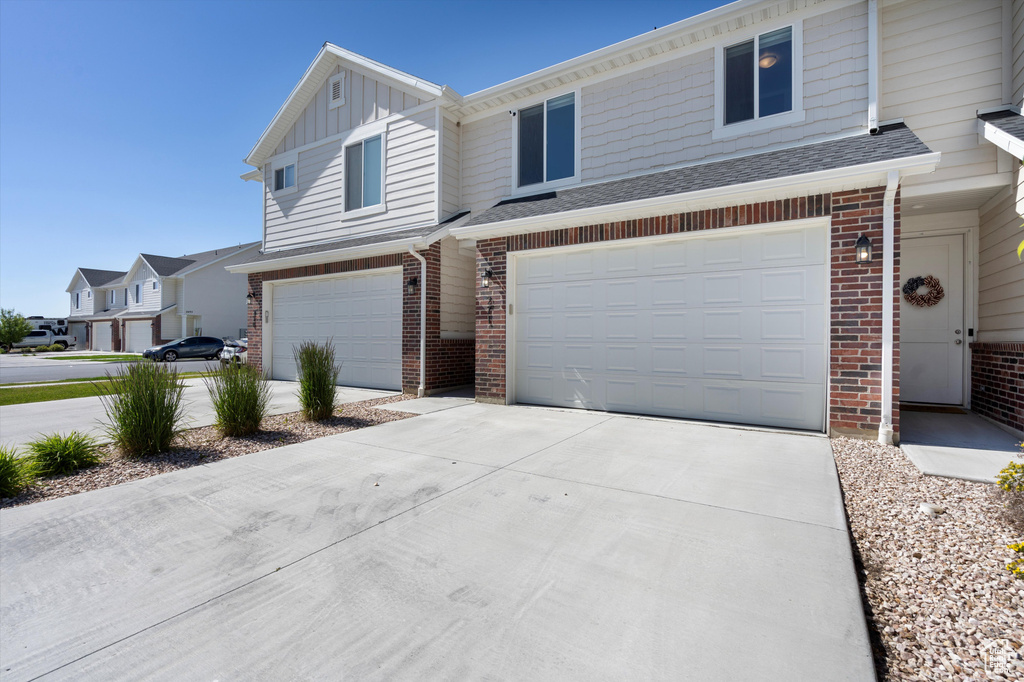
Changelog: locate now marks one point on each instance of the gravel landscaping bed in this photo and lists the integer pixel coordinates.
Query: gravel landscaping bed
(204, 445)
(940, 602)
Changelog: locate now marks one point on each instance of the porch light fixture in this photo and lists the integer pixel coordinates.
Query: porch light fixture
(863, 249)
(411, 285)
(249, 298)
(485, 281)
(767, 60)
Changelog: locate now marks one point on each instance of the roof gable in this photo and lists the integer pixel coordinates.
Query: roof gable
(325, 63)
(96, 278)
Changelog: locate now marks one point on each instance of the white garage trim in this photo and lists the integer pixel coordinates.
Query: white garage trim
(273, 319)
(817, 341)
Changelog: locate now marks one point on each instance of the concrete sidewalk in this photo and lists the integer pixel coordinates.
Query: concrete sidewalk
(474, 542)
(956, 445)
(20, 424)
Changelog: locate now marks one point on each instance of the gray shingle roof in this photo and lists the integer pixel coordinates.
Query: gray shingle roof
(1008, 121)
(97, 278)
(166, 266)
(892, 142)
(361, 240)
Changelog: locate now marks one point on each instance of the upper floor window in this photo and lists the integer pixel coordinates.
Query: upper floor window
(77, 305)
(138, 293)
(364, 173)
(284, 177)
(547, 141)
(759, 76)
(88, 294)
(155, 286)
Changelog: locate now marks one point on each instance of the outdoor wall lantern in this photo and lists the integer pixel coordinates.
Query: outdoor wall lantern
(863, 248)
(411, 287)
(485, 281)
(249, 298)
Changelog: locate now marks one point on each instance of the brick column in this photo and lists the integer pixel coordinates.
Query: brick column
(491, 254)
(254, 323)
(115, 335)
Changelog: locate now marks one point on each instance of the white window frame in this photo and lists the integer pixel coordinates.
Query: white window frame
(757, 124)
(113, 296)
(138, 293)
(376, 209)
(78, 301)
(332, 103)
(155, 285)
(539, 187)
(283, 161)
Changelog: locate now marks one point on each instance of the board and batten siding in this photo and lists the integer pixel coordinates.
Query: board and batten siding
(941, 62)
(450, 202)
(313, 213)
(85, 302)
(663, 115)
(150, 300)
(1000, 274)
(366, 100)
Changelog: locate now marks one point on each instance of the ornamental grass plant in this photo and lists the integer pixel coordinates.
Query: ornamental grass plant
(15, 472)
(318, 377)
(241, 397)
(144, 406)
(59, 455)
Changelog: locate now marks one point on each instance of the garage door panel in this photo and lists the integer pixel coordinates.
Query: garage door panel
(102, 337)
(360, 312)
(726, 328)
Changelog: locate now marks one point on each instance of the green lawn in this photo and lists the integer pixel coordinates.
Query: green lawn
(39, 394)
(94, 358)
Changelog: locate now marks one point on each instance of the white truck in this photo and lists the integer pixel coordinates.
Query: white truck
(45, 337)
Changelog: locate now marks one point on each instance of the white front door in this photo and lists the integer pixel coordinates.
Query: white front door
(361, 312)
(728, 327)
(933, 338)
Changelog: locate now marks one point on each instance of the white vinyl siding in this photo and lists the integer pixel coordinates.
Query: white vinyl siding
(168, 292)
(723, 328)
(450, 202)
(458, 293)
(314, 213)
(366, 100)
(663, 115)
(1017, 53)
(941, 63)
(1000, 274)
(361, 312)
(142, 282)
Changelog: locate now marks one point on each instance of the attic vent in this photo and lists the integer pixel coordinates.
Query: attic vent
(336, 90)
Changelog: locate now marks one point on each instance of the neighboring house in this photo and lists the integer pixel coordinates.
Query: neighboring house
(713, 220)
(160, 298)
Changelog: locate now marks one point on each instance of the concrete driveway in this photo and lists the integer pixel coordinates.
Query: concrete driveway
(20, 424)
(474, 542)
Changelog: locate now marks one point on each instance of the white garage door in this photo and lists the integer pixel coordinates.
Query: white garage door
(140, 335)
(101, 336)
(727, 328)
(362, 312)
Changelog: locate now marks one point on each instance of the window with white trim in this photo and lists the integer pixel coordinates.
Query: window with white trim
(547, 141)
(336, 90)
(77, 302)
(88, 294)
(113, 297)
(155, 286)
(364, 174)
(138, 293)
(284, 177)
(759, 75)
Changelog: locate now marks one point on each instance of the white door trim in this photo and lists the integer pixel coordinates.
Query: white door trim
(824, 222)
(970, 289)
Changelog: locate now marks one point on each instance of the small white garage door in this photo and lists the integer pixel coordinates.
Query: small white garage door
(363, 314)
(101, 338)
(140, 335)
(728, 328)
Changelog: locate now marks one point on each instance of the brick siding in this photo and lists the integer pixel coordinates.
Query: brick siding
(449, 362)
(997, 382)
(857, 292)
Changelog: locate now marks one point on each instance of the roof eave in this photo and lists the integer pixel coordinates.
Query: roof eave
(848, 177)
(190, 270)
(1002, 139)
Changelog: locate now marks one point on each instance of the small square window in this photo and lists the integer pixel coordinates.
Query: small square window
(364, 173)
(284, 177)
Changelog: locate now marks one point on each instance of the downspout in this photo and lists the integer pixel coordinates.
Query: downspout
(888, 280)
(873, 46)
(423, 319)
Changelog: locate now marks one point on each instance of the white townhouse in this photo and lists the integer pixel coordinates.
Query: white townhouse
(796, 213)
(160, 298)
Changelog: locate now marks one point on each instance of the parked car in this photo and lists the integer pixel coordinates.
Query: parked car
(45, 337)
(235, 351)
(191, 347)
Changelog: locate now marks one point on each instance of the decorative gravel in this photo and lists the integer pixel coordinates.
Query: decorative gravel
(204, 445)
(940, 602)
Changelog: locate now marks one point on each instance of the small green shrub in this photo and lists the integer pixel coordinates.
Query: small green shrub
(144, 406)
(26, 351)
(41, 349)
(57, 454)
(318, 378)
(15, 474)
(241, 397)
(1011, 478)
(55, 347)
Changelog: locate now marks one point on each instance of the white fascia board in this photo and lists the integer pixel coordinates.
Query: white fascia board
(842, 179)
(365, 251)
(253, 175)
(128, 275)
(1002, 139)
(207, 264)
(400, 79)
(78, 273)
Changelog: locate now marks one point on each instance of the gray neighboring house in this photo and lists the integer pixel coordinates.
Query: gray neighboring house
(159, 298)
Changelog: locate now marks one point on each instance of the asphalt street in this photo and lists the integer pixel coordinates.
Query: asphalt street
(16, 368)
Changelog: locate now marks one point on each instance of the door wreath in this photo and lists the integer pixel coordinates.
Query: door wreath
(928, 299)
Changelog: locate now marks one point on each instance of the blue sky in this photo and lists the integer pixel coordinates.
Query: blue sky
(123, 124)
